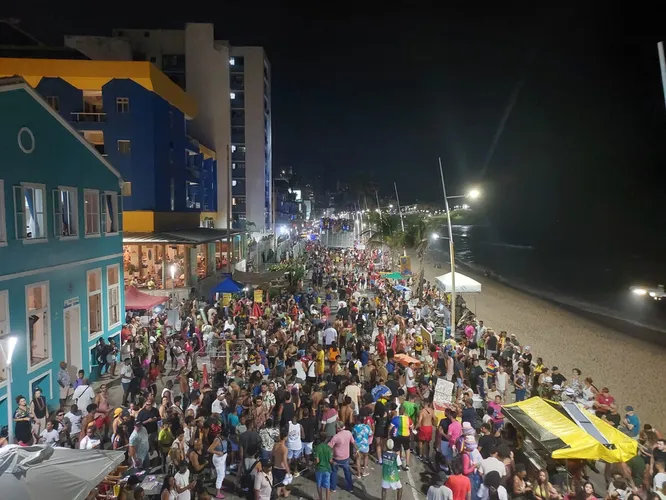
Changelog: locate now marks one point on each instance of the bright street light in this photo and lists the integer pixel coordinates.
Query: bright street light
(434, 236)
(474, 194)
(639, 291)
(172, 270)
(8, 352)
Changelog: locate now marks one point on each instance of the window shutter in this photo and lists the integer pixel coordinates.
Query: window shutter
(57, 214)
(120, 212)
(19, 213)
(102, 200)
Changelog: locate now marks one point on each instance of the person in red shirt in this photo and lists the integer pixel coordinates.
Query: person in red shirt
(459, 484)
(603, 402)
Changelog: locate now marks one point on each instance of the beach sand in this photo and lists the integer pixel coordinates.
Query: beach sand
(629, 366)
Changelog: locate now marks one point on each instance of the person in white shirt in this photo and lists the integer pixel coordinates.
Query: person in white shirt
(410, 379)
(75, 417)
(83, 396)
(502, 383)
(492, 463)
(184, 486)
(49, 435)
(330, 336)
(438, 490)
(257, 367)
(89, 442)
(219, 404)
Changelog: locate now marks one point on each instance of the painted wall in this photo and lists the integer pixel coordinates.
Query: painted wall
(58, 158)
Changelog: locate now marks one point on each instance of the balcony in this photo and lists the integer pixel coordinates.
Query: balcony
(89, 117)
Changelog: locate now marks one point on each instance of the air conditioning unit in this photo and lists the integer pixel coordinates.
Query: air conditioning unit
(126, 189)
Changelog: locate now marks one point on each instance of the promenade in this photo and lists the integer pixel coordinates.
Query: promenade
(629, 367)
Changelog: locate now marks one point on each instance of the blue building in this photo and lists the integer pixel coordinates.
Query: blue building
(61, 250)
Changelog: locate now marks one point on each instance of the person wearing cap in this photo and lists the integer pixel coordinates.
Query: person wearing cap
(631, 425)
(391, 470)
(602, 402)
(556, 393)
(438, 490)
(139, 447)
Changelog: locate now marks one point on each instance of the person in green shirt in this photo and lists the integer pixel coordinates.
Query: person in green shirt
(391, 471)
(323, 455)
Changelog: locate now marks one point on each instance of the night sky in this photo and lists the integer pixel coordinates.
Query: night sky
(387, 92)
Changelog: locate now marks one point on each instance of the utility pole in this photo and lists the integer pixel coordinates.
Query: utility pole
(451, 254)
(402, 222)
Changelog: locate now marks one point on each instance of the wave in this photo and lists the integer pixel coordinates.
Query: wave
(508, 245)
(558, 298)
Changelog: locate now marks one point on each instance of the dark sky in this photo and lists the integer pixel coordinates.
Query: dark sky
(389, 91)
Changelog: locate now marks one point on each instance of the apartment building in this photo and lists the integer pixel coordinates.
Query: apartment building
(234, 83)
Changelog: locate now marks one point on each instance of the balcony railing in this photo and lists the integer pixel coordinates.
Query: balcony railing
(89, 117)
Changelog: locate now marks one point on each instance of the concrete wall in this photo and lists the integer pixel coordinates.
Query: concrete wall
(101, 48)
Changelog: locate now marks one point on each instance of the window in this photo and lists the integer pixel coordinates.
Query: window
(233, 201)
(110, 212)
(233, 148)
(113, 294)
(29, 204)
(94, 279)
(124, 147)
(38, 319)
(232, 61)
(122, 104)
(53, 101)
(3, 223)
(232, 95)
(233, 183)
(91, 213)
(65, 213)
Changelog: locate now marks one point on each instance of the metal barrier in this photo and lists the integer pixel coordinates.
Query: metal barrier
(228, 352)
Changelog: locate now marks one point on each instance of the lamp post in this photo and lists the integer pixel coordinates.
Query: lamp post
(7, 351)
(473, 194)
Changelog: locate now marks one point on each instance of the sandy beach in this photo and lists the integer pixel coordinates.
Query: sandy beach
(628, 366)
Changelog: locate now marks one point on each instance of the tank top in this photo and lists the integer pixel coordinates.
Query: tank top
(294, 437)
(287, 413)
(40, 407)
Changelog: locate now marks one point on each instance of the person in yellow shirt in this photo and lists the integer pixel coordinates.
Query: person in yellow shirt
(320, 359)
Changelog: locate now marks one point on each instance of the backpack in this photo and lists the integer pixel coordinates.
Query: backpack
(247, 482)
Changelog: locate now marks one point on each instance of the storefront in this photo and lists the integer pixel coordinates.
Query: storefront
(178, 259)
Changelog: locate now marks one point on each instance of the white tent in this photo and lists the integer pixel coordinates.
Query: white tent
(464, 284)
(39, 472)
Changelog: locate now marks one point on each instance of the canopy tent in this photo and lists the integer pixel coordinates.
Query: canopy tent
(464, 284)
(392, 276)
(135, 299)
(37, 472)
(405, 360)
(227, 285)
(401, 288)
(551, 425)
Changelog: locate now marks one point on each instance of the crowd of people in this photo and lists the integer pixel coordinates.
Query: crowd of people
(337, 374)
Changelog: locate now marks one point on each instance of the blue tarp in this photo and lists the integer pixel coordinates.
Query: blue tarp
(401, 288)
(227, 285)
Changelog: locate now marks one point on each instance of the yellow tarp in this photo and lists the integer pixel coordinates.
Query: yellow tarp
(580, 444)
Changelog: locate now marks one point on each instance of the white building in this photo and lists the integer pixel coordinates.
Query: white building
(233, 88)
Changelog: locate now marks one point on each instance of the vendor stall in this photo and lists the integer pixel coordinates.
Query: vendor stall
(55, 473)
(137, 300)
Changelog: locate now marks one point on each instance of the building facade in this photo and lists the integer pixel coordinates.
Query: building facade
(235, 84)
(61, 250)
(141, 121)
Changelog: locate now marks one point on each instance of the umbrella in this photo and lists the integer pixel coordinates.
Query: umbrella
(227, 285)
(38, 472)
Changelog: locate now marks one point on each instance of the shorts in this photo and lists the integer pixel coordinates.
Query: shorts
(307, 448)
(386, 485)
(294, 453)
(401, 441)
(411, 390)
(65, 392)
(323, 479)
(445, 449)
(425, 433)
(278, 476)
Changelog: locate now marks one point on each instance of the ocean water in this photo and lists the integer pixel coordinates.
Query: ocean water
(590, 277)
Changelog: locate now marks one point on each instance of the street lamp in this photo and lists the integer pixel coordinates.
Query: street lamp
(434, 236)
(472, 194)
(7, 352)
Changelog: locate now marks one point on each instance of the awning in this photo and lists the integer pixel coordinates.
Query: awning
(54, 473)
(564, 438)
(464, 284)
(135, 299)
(258, 279)
(227, 285)
(194, 236)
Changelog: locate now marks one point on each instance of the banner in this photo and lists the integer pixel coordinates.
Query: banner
(258, 296)
(405, 264)
(443, 397)
(226, 299)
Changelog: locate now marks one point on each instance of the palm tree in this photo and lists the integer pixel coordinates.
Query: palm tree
(417, 237)
(387, 233)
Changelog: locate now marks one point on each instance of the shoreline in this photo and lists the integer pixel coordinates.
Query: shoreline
(614, 353)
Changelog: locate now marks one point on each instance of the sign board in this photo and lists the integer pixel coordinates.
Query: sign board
(71, 303)
(258, 296)
(443, 397)
(425, 334)
(226, 299)
(405, 264)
